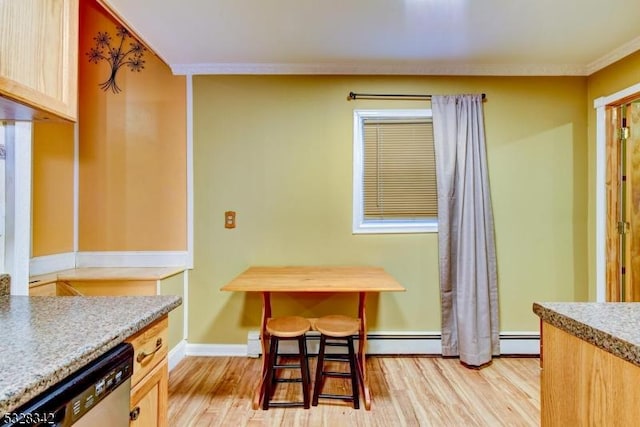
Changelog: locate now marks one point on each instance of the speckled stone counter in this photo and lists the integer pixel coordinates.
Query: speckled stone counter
(5, 284)
(613, 327)
(44, 339)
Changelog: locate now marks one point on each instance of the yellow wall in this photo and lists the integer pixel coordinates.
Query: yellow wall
(132, 151)
(52, 188)
(174, 285)
(609, 80)
(278, 150)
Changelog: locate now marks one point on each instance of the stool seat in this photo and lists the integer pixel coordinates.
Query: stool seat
(288, 326)
(337, 325)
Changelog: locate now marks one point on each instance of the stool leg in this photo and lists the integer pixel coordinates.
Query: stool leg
(354, 374)
(319, 368)
(304, 370)
(306, 361)
(274, 361)
(270, 374)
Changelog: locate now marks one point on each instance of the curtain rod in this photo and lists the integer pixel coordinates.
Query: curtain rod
(353, 95)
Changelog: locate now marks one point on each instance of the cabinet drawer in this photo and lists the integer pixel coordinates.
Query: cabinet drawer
(150, 346)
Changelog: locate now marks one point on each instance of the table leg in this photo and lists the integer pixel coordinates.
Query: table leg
(362, 347)
(264, 340)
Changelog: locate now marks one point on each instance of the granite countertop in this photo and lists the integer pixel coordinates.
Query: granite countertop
(47, 338)
(5, 284)
(613, 327)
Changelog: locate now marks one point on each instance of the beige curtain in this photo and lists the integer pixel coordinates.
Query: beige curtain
(468, 278)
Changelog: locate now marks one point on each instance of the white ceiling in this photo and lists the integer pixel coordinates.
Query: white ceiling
(462, 37)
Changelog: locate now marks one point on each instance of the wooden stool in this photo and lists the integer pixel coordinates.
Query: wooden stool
(287, 328)
(339, 330)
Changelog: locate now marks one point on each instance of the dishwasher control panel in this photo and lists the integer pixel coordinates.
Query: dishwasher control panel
(86, 400)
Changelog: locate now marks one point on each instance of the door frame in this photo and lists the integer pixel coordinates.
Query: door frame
(600, 105)
(18, 140)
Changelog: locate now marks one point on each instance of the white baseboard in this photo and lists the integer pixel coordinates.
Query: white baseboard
(378, 343)
(177, 353)
(404, 343)
(254, 347)
(525, 343)
(216, 350)
(50, 263)
(132, 259)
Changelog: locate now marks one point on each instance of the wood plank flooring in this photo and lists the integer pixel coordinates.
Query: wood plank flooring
(406, 391)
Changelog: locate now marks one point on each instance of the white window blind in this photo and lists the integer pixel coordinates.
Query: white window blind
(399, 179)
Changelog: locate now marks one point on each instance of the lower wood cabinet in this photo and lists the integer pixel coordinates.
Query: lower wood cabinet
(583, 385)
(112, 287)
(150, 379)
(46, 290)
(53, 289)
(149, 398)
(149, 383)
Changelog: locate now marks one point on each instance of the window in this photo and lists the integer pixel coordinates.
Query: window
(394, 177)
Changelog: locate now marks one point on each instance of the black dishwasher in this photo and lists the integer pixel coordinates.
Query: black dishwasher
(96, 395)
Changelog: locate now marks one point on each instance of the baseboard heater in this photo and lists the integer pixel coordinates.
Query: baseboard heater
(410, 343)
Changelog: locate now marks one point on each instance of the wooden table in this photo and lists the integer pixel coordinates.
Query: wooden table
(360, 280)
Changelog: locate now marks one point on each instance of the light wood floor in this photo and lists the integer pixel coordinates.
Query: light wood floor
(406, 391)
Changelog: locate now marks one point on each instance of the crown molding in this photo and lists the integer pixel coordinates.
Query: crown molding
(382, 69)
(613, 56)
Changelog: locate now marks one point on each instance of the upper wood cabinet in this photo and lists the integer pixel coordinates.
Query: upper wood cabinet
(38, 59)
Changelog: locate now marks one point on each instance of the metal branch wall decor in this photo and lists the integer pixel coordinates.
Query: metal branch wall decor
(116, 57)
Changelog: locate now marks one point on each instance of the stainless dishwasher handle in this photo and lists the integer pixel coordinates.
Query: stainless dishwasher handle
(142, 355)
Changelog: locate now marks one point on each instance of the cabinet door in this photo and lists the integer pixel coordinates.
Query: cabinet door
(39, 56)
(149, 399)
(584, 385)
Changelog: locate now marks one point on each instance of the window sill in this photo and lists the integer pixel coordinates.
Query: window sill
(391, 227)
